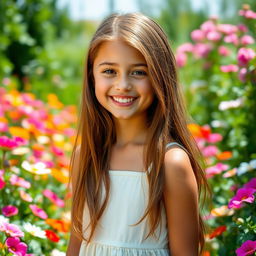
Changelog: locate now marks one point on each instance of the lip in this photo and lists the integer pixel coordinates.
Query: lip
(123, 104)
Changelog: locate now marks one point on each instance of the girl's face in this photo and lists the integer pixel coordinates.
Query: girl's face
(122, 84)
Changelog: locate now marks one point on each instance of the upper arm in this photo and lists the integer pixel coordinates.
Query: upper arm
(181, 203)
(74, 242)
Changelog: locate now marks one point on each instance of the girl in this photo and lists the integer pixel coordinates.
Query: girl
(136, 175)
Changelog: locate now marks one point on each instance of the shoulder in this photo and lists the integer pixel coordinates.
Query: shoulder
(178, 169)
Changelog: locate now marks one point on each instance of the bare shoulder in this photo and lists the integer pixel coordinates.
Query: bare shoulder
(177, 165)
(181, 202)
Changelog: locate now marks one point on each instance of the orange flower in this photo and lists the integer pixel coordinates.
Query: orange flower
(59, 225)
(19, 132)
(217, 231)
(224, 155)
(206, 253)
(195, 130)
(14, 115)
(60, 175)
(54, 102)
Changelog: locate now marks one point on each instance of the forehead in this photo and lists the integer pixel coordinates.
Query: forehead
(118, 51)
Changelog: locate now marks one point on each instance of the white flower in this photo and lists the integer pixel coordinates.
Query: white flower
(34, 230)
(20, 151)
(37, 168)
(3, 219)
(56, 252)
(43, 139)
(231, 104)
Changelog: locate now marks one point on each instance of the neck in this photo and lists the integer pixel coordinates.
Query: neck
(130, 132)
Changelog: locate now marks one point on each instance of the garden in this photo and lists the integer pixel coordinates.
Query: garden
(38, 116)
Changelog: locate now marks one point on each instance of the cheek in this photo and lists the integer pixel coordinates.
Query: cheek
(101, 86)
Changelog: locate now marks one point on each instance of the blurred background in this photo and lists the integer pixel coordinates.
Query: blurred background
(43, 45)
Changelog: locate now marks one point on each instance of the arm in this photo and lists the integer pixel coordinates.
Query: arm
(74, 242)
(181, 204)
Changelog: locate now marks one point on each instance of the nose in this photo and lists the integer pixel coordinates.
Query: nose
(123, 83)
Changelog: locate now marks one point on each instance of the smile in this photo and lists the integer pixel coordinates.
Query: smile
(123, 101)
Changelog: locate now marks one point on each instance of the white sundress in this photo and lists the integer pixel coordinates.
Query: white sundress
(127, 202)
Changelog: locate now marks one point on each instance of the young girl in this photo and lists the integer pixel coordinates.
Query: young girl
(137, 172)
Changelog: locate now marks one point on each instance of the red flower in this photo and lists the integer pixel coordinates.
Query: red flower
(52, 236)
(217, 231)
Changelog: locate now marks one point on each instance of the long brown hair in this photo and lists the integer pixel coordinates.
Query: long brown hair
(96, 131)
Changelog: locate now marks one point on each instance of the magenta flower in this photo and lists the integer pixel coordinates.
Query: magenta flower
(9, 210)
(223, 51)
(246, 39)
(53, 198)
(229, 68)
(3, 127)
(18, 181)
(2, 183)
(242, 28)
(250, 184)
(244, 55)
(38, 211)
(197, 35)
(11, 229)
(247, 248)
(57, 151)
(209, 151)
(8, 143)
(16, 247)
(242, 195)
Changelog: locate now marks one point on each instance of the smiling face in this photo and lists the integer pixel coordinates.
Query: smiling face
(122, 84)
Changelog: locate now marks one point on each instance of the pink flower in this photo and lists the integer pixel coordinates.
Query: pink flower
(223, 51)
(16, 247)
(242, 28)
(187, 47)
(11, 229)
(181, 59)
(53, 197)
(38, 211)
(250, 184)
(3, 127)
(57, 151)
(249, 14)
(242, 74)
(214, 36)
(10, 210)
(247, 248)
(229, 68)
(197, 35)
(216, 169)
(25, 196)
(202, 50)
(246, 39)
(242, 195)
(244, 55)
(232, 38)
(210, 151)
(18, 181)
(227, 29)
(214, 137)
(2, 183)
(208, 26)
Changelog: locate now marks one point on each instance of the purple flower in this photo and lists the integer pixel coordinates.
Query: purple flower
(242, 195)
(250, 184)
(244, 55)
(16, 247)
(247, 248)
(9, 210)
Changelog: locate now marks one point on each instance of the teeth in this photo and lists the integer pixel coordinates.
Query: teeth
(123, 100)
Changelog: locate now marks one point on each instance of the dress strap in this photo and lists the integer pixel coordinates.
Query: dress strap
(175, 143)
(167, 147)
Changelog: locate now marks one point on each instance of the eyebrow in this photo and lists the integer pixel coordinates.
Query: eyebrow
(115, 64)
